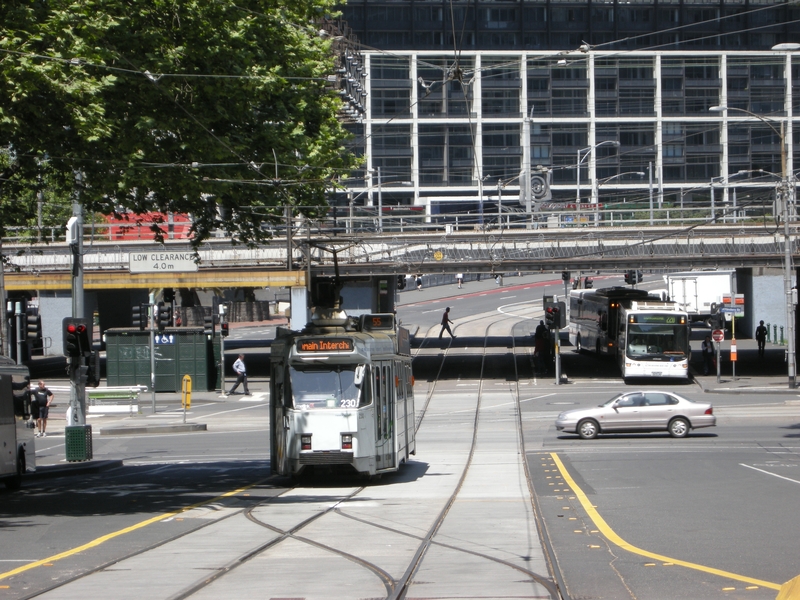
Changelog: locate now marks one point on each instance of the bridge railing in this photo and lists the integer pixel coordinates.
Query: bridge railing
(409, 220)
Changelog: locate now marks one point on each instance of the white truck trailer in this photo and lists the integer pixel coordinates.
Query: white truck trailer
(695, 291)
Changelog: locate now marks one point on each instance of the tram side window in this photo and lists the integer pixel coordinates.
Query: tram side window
(316, 388)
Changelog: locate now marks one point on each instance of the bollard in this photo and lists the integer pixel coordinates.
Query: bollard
(782, 341)
(775, 329)
(768, 338)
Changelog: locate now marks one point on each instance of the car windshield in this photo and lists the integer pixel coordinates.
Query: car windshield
(315, 387)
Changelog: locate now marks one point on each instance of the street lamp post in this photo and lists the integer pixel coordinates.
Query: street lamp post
(587, 152)
(786, 196)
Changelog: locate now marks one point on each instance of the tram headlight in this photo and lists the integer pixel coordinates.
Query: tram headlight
(347, 441)
(305, 442)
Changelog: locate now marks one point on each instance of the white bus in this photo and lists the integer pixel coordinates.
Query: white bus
(17, 451)
(647, 336)
(341, 395)
(594, 317)
(653, 340)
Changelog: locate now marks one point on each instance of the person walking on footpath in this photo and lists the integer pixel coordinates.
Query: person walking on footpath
(241, 376)
(761, 338)
(418, 281)
(460, 279)
(446, 323)
(42, 399)
(708, 355)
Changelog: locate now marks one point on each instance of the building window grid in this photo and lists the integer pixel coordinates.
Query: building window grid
(693, 159)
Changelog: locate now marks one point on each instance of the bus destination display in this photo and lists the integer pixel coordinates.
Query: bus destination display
(657, 318)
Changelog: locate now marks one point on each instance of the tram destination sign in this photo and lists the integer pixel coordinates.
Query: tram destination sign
(325, 344)
(162, 261)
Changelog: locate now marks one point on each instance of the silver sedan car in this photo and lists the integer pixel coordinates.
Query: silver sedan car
(637, 412)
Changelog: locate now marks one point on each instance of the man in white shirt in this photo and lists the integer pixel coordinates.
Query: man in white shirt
(241, 375)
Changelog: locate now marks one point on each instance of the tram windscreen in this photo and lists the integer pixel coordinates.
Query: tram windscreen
(317, 388)
(657, 341)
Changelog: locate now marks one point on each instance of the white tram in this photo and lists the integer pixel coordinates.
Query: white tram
(341, 395)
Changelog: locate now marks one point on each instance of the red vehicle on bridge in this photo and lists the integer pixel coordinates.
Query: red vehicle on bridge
(131, 226)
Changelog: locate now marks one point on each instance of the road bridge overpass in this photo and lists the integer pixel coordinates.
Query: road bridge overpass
(224, 265)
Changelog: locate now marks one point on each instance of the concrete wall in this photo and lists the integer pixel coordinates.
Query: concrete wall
(764, 300)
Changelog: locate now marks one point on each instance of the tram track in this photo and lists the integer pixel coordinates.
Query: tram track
(341, 504)
(405, 582)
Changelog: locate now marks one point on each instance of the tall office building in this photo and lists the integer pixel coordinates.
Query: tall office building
(676, 103)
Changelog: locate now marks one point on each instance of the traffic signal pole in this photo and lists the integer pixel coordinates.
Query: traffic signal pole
(77, 396)
(152, 311)
(557, 350)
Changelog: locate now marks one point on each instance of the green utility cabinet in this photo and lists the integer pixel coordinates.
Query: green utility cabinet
(179, 351)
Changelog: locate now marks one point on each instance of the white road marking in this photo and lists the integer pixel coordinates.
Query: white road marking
(768, 473)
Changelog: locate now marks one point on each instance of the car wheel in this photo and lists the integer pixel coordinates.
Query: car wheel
(679, 427)
(578, 346)
(588, 429)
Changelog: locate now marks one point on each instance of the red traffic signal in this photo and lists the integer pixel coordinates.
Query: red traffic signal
(76, 337)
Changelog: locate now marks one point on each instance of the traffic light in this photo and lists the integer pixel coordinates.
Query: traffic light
(168, 295)
(32, 325)
(223, 329)
(401, 282)
(139, 316)
(565, 275)
(550, 313)
(92, 371)
(561, 315)
(588, 283)
(164, 316)
(209, 324)
(630, 277)
(76, 337)
(639, 277)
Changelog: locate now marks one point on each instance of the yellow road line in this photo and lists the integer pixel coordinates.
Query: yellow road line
(609, 533)
(110, 536)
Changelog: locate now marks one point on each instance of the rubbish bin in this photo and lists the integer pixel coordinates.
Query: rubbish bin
(78, 441)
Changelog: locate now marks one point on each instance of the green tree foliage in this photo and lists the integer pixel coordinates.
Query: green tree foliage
(215, 108)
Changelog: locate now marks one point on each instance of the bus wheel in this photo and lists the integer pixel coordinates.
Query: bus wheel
(15, 482)
(578, 346)
(588, 429)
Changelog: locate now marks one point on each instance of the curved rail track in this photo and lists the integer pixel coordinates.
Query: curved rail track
(461, 517)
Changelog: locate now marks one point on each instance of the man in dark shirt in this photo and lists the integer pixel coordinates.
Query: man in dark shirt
(761, 338)
(446, 323)
(42, 398)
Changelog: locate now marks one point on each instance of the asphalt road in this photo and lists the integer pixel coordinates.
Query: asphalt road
(722, 499)
(628, 516)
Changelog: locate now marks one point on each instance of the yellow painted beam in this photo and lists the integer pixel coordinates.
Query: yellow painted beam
(118, 280)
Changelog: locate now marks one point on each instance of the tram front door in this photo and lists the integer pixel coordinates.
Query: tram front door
(384, 407)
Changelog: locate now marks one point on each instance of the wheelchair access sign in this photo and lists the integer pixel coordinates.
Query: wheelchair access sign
(164, 339)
